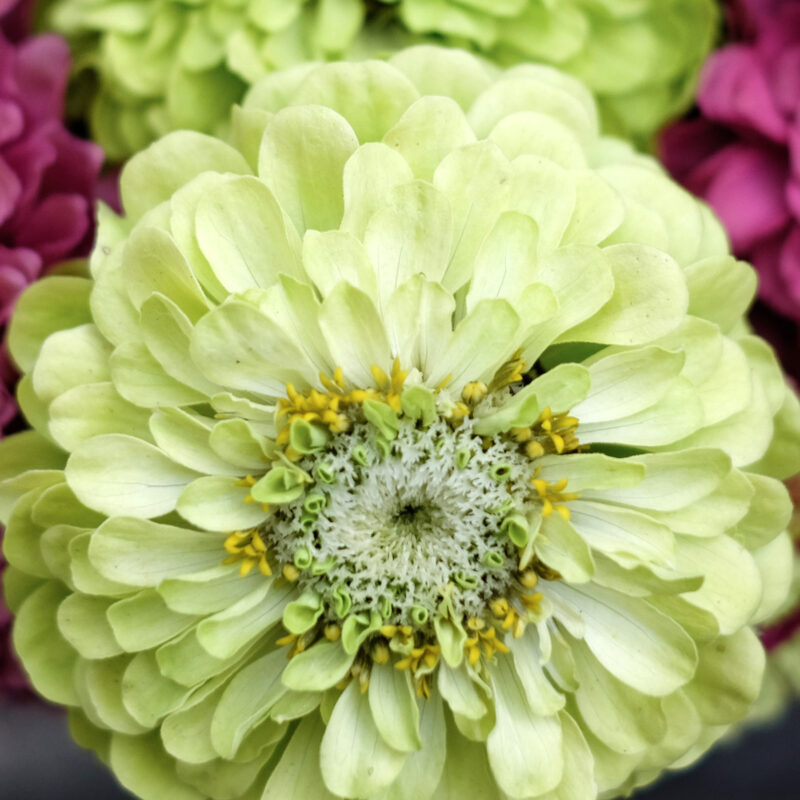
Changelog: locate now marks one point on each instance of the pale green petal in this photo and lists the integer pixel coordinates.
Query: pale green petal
(103, 685)
(476, 181)
(410, 233)
(48, 659)
(622, 718)
(355, 760)
(144, 621)
(466, 769)
(140, 379)
(302, 156)
(431, 128)
(83, 623)
(334, 256)
(420, 774)
(91, 410)
(592, 471)
(460, 691)
(542, 697)
(208, 591)
(238, 442)
(355, 333)
(370, 95)
(650, 299)
(156, 173)
(418, 318)
(167, 334)
(504, 264)
(245, 235)
(186, 735)
(533, 133)
(672, 480)
(318, 668)
(154, 264)
(119, 474)
(49, 305)
(393, 703)
(369, 173)
(71, 358)
(561, 547)
(579, 781)
(246, 702)
(677, 414)
(732, 602)
(240, 347)
(775, 562)
(143, 553)
(219, 503)
(524, 748)
(225, 633)
(637, 644)
(628, 382)
(147, 694)
(470, 355)
(621, 531)
(728, 677)
(297, 774)
(140, 764)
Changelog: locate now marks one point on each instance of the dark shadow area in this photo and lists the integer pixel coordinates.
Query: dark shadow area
(38, 761)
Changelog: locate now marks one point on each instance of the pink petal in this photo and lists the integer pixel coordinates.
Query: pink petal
(745, 186)
(734, 90)
(771, 286)
(56, 226)
(790, 269)
(12, 121)
(10, 191)
(43, 66)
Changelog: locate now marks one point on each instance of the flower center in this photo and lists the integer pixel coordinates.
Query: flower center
(396, 514)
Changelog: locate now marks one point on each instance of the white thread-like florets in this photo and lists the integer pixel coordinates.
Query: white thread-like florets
(403, 527)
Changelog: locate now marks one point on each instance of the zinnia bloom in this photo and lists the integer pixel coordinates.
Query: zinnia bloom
(409, 446)
(159, 65)
(743, 153)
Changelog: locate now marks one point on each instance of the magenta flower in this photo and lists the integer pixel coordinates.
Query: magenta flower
(48, 177)
(742, 154)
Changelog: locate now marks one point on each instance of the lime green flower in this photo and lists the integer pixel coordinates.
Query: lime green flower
(410, 446)
(153, 66)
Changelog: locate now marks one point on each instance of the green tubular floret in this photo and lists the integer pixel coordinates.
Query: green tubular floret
(427, 269)
(163, 65)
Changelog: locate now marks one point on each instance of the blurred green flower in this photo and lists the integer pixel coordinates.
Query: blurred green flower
(410, 446)
(152, 66)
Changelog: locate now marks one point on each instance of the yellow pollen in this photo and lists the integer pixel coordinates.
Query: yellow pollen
(249, 548)
(474, 392)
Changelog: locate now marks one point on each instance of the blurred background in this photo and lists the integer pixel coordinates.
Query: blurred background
(38, 761)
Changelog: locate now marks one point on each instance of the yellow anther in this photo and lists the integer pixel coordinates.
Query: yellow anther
(388, 631)
(521, 434)
(290, 572)
(380, 653)
(473, 656)
(529, 579)
(249, 499)
(290, 638)
(534, 450)
(439, 386)
(333, 632)
(380, 377)
(403, 663)
(474, 392)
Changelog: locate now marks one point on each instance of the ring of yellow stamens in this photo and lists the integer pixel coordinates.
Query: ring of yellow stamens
(553, 496)
(249, 548)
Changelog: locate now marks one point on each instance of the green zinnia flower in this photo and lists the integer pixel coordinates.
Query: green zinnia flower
(153, 66)
(411, 446)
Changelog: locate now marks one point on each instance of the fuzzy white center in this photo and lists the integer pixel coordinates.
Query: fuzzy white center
(404, 527)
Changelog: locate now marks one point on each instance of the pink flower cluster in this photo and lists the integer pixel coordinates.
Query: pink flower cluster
(742, 153)
(48, 177)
